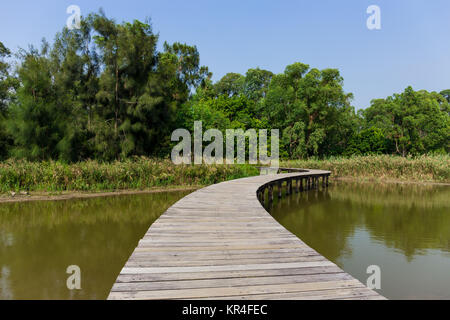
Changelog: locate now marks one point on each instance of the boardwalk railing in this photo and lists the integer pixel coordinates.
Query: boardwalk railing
(302, 183)
(220, 243)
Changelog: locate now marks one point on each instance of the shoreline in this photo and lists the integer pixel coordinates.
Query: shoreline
(73, 195)
(390, 181)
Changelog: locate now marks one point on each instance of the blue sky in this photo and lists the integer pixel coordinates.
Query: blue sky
(412, 48)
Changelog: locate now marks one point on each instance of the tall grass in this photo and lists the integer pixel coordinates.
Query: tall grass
(144, 173)
(136, 173)
(383, 167)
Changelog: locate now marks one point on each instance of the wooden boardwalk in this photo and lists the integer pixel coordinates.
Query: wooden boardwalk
(220, 243)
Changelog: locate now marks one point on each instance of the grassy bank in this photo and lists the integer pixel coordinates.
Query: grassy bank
(383, 167)
(144, 173)
(133, 174)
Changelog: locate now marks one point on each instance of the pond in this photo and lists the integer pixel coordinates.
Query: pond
(402, 228)
(40, 240)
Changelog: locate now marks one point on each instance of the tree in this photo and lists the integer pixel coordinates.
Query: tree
(446, 94)
(75, 69)
(6, 81)
(52, 117)
(231, 85)
(314, 101)
(144, 87)
(414, 122)
(368, 141)
(8, 85)
(102, 91)
(257, 83)
(293, 141)
(35, 122)
(189, 71)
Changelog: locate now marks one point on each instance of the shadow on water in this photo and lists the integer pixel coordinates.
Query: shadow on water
(39, 240)
(404, 229)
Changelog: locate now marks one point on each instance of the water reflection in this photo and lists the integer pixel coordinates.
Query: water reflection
(405, 229)
(39, 240)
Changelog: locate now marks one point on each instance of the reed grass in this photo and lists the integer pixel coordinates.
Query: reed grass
(143, 173)
(382, 167)
(133, 174)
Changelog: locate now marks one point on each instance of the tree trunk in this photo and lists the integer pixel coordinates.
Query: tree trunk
(116, 111)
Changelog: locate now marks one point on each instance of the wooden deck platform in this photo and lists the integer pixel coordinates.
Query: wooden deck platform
(220, 243)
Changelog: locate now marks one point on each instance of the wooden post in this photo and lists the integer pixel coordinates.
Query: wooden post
(279, 190)
(301, 184)
(263, 198)
(290, 186)
(327, 180)
(297, 185)
(287, 187)
(270, 193)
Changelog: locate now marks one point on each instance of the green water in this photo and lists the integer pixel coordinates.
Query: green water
(403, 229)
(39, 240)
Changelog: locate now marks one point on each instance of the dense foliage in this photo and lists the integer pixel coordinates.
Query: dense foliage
(105, 92)
(412, 122)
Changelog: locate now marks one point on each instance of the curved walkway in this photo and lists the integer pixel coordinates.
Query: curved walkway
(220, 243)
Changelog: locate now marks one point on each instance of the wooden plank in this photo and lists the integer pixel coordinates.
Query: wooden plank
(227, 267)
(209, 248)
(335, 294)
(143, 263)
(215, 256)
(213, 243)
(235, 291)
(147, 277)
(211, 253)
(233, 282)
